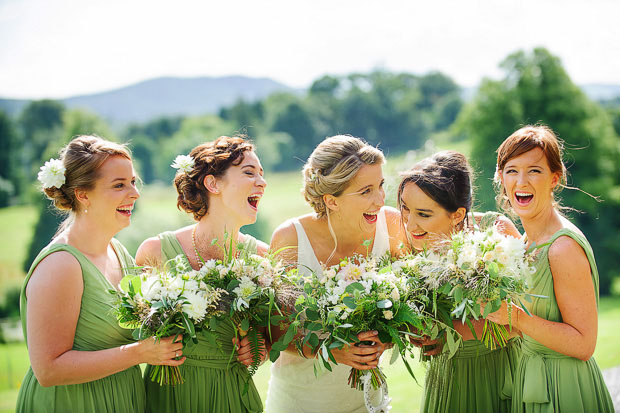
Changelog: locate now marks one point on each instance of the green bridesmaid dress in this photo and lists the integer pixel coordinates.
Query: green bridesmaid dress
(214, 382)
(548, 381)
(476, 379)
(97, 329)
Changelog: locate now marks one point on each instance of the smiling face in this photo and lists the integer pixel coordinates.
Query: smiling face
(424, 219)
(528, 183)
(361, 201)
(241, 188)
(114, 194)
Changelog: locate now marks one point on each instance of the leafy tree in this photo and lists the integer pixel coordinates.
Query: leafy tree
(145, 142)
(41, 122)
(535, 89)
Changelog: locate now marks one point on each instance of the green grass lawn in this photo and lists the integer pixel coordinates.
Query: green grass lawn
(405, 393)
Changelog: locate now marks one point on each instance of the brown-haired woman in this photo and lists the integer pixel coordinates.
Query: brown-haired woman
(556, 372)
(221, 190)
(435, 199)
(81, 359)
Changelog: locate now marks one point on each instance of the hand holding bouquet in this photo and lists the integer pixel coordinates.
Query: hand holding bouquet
(477, 267)
(358, 294)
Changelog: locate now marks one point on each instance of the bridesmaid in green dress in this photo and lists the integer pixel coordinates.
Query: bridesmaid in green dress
(557, 372)
(81, 360)
(221, 188)
(435, 198)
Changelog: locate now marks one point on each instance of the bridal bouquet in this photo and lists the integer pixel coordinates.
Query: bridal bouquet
(359, 294)
(169, 300)
(480, 266)
(175, 299)
(418, 269)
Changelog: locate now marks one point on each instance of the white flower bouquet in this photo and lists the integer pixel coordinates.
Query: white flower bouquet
(477, 267)
(359, 294)
(176, 299)
(165, 301)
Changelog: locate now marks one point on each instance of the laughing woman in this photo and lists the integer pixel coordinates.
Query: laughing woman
(221, 187)
(81, 359)
(343, 182)
(557, 372)
(435, 198)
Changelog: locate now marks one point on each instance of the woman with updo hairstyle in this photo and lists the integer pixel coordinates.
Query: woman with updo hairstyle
(435, 198)
(343, 183)
(220, 184)
(81, 359)
(556, 372)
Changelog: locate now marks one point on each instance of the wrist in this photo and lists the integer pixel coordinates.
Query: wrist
(136, 351)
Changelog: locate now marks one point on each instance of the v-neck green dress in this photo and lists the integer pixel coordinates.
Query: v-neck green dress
(548, 381)
(476, 379)
(97, 329)
(214, 381)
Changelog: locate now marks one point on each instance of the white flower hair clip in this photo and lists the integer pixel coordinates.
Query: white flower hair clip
(312, 175)
(183, 163)
(52, 174)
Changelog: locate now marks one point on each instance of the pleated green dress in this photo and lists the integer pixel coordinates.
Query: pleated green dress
(476, 379)
(97, 329)
(548, 381)
(214, 382)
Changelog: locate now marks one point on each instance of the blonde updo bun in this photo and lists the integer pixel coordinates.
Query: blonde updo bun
(332, 165)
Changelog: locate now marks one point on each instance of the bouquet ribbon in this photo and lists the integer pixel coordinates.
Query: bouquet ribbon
(535, 385)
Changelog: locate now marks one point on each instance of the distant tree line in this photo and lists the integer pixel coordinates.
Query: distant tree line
(397, 111)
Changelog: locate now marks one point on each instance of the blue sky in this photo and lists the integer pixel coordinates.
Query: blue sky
(59, 48)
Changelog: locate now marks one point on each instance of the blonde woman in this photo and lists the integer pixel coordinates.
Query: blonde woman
(81, 359)
(343, 182)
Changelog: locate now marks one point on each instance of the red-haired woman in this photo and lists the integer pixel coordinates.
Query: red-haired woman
(556, 372)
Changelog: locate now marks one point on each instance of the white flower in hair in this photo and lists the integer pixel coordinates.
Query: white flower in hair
(183, 163)
(52, 174)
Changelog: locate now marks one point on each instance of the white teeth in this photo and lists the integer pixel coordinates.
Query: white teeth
(523, 194)
(418, 235)
(370, 213)
(129, 209)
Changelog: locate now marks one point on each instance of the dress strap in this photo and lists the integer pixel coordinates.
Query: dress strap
(381, 243)
(306, 259)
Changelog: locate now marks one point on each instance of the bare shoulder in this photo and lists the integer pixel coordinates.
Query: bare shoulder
(392, 217)
(59, 270)
(285, 235)
(149, 251)
(567, 258)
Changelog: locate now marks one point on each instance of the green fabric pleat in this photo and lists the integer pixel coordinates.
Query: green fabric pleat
(547, 381)
(97, 329)
(214, 381)
(476, 378)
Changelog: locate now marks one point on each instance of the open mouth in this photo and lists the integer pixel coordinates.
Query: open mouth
(370, 217)
(523, 198)
(125, 210)
(253, 201)
(418, 235)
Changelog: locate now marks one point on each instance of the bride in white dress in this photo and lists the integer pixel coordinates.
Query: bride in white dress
(343, 182)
